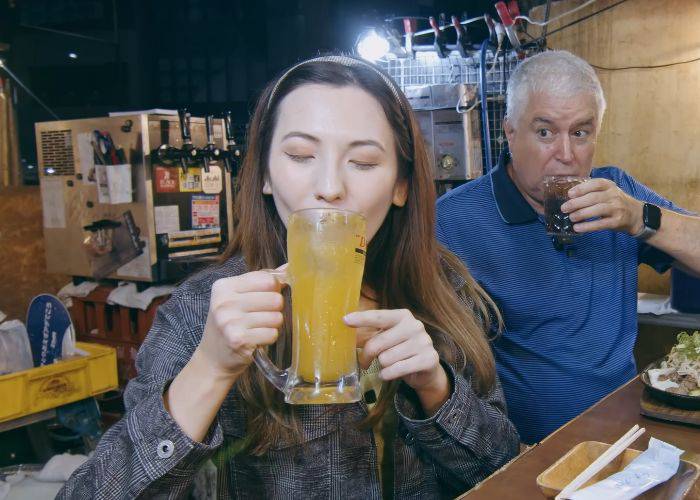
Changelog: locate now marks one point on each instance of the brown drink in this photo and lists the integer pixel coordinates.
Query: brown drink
(556, 188)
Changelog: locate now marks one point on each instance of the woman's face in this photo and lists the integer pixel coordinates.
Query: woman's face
(333, 147)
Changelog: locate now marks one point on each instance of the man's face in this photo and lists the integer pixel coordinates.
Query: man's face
(552, 136)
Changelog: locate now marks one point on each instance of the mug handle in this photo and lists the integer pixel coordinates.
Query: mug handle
(277, 377)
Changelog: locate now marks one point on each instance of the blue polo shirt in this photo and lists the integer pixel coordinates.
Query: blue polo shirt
(570, 314)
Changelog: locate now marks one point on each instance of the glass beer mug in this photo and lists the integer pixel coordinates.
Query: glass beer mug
(326, 252)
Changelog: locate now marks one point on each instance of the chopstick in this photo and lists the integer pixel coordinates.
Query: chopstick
(599, 464)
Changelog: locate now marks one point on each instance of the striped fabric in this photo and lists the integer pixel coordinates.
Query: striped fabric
(570, 316)
(146, 454)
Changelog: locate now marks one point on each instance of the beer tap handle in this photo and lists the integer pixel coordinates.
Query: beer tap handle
(184, 116)
(228, 126)
(210, 129)
(233, 154)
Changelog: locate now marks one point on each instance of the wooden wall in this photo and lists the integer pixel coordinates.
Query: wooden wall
(22, 262)
(651, 126)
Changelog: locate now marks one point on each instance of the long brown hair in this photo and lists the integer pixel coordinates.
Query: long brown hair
(405, 266)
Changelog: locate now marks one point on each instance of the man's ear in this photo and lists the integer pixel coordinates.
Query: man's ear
(508, 128)
(400, 192)
(267, 188)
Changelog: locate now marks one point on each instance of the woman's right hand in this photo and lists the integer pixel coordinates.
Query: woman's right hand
(244, 312)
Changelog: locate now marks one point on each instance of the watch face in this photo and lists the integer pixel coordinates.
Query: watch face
(652, 216)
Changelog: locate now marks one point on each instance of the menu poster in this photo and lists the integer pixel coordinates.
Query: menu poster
(205, 211)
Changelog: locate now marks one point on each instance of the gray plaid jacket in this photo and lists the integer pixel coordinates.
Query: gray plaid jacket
(146, 454)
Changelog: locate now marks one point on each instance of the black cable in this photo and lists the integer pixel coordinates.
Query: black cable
(583, 18)
(604, 68)
(546, 18)
(3, 66)
(67, 33)
(647, 67)
(398, 18)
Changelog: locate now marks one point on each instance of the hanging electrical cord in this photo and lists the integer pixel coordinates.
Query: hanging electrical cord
(547, 9)
(461, 111)
(447, 26)
(654, 66)
(592, 14)
(495, 57)
(6, 69)
(484, 108)
(547, 21)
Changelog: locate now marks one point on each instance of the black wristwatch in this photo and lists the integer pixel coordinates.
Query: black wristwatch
(651, 216)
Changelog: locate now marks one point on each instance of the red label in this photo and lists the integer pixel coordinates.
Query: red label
(166, 179)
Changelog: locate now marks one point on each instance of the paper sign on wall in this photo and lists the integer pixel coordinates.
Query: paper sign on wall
(86, 155)
(212, 181)
(167, 219)
(53, 204)
(205, 211)
(191, 181)
(102, 183)
(167, 180)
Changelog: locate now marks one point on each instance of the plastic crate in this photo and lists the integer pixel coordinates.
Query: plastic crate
(45, 387)
(123, 328)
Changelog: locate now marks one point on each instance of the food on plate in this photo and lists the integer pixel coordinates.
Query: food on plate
(679, 372)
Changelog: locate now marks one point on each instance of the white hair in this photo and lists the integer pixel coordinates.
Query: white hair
(555, 72)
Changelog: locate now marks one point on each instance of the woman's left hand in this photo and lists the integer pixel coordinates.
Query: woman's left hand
(404, 350)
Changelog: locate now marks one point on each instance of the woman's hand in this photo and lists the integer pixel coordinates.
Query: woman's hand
(244, 313)
(404, 350)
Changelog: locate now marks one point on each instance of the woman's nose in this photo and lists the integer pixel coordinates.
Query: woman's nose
(329, 185)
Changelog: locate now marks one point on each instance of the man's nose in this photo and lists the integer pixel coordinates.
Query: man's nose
(330, 184)
(564, 152)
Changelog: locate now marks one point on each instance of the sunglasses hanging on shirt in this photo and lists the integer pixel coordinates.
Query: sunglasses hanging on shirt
(563, 243)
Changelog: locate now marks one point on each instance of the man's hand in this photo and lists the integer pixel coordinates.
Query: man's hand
(609, 206)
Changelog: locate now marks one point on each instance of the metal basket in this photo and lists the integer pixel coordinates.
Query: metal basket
(429, 69)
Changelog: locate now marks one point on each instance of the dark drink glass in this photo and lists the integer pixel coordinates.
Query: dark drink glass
(556, 188)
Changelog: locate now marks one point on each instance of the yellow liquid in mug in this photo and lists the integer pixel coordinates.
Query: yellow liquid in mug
(326, 262)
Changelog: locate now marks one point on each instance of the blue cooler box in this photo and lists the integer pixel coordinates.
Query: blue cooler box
(685, 292)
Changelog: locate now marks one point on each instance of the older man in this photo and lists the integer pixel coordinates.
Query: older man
(569, 310)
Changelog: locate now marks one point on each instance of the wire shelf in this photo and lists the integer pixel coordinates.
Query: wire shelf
(428, 69)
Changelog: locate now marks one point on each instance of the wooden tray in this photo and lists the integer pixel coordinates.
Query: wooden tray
(564, 470)
(652, 407)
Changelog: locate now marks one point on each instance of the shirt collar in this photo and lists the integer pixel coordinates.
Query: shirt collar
(511, 204)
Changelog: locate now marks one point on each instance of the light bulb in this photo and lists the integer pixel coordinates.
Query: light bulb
(372, 46)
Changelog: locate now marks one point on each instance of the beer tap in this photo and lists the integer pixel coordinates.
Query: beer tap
(232, 155)
(188, 152)
(165, 154)
(209, 152)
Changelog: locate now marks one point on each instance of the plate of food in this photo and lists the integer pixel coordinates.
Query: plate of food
(675, 378)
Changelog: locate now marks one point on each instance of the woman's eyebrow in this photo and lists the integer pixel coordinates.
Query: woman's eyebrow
(303, 135)
(367, 142)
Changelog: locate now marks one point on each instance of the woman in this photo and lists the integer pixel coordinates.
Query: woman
(330, 132)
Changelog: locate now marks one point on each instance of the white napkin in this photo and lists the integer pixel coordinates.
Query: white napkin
(651, 303)
(60, 467)
(71, 290)
(127, 295)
